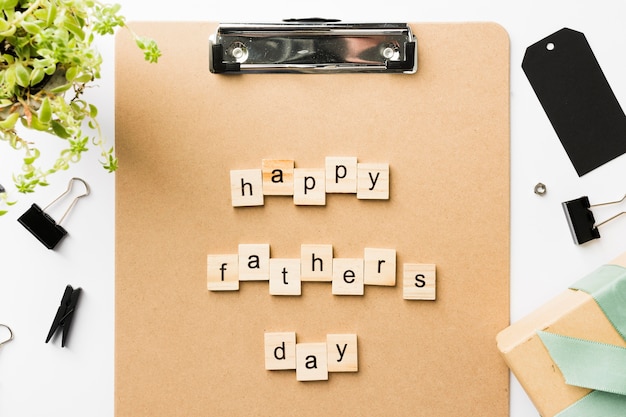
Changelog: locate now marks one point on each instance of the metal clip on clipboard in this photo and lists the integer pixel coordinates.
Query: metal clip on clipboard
(313, 46)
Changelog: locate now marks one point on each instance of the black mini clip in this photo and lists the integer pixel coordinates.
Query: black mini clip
(582, 223)
(65, 313)
(42, 226)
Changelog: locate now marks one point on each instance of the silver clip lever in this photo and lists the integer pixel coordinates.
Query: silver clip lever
(313, 46)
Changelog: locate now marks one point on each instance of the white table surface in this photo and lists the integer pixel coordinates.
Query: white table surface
(39, 379)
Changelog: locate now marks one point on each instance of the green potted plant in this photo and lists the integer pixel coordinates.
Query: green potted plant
(47, 59)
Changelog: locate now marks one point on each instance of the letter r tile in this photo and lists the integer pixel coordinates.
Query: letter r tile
(380, 267)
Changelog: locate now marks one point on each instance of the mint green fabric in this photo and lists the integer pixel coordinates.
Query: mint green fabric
(588, 364)
(591, 364)
(597, 404)
(607, 285)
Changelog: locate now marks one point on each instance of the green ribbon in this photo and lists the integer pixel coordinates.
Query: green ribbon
(593, 365)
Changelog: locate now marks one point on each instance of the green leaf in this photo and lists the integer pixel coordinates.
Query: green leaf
(37, 124)
(31, 28)
(37, 76)
(52, 13)
(8, 4)
(59, 130)
(9, 122)
(45, 112)
(93, 111)
(4, 25)
(75, 30)
(71, 73)
(22, 75)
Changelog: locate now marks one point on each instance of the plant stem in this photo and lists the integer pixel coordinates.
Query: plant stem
(27, 12)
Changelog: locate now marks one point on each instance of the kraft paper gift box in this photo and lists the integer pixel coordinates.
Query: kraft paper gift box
(570, 354)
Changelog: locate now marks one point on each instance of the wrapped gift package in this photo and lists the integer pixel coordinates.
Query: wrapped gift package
(570, 354)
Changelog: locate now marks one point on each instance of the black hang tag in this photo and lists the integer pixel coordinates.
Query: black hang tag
(577, 99)
(42, 226)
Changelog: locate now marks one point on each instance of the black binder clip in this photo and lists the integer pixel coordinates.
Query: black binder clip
(65, 313)
(582, 223)
(42, 226)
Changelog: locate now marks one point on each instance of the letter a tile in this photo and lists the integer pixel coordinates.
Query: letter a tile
(277, 176)
(254, 262)
(280, 350)
(311, 362)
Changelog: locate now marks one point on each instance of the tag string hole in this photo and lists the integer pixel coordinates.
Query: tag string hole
(550, 46)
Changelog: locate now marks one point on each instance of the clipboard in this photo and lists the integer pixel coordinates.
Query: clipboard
(444, 131)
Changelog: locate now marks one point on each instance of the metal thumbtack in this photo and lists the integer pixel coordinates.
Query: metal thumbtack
(10, 334)
(42, 226)
(582, 223)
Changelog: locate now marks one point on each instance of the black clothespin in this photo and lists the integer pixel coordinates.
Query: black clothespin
(42, 226)
(65, 313)
(582, 223)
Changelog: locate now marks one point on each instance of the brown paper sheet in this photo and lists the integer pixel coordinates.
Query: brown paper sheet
(182, 350)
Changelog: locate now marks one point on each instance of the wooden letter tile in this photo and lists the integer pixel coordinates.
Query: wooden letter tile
(373, 182)
(380, 267)
(223, 272)
(309, 187)
(347, 276)
(419, 282)
(342, 353)
(280, 351)
(311, 362)
(285, 276)
(317, 263)
(341, 174)
(246, 187)
(277, 176)
(254, 262)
